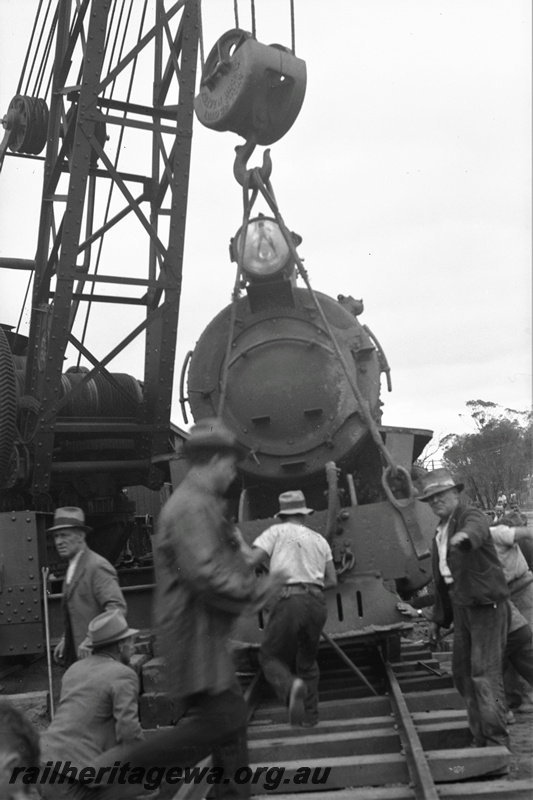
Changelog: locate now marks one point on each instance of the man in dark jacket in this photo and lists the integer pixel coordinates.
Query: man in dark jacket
(203, 583)
(470, 589)
(90, 586)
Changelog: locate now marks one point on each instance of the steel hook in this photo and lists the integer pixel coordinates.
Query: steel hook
(240, 168)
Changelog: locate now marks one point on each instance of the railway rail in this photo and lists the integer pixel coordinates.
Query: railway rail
(409, 739)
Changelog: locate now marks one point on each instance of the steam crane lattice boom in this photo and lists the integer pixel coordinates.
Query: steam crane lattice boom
(121, 86)
(108, 88)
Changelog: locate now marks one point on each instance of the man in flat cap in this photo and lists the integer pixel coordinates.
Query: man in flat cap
(470, 589)
(90, 586)
(203, 583)
(288, 653)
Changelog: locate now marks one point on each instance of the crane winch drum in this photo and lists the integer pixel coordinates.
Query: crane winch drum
(252, 89)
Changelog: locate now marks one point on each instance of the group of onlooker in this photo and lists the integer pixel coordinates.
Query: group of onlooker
(206, 576)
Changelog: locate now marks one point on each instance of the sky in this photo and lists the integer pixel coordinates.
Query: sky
(407, 175)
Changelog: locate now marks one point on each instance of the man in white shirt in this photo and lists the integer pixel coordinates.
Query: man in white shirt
(288, 654)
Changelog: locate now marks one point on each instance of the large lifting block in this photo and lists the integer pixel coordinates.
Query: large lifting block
(252, 89)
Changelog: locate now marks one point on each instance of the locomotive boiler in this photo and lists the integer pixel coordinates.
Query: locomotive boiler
(297, 377)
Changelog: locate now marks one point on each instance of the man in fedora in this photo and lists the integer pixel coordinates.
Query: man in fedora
(90, 586)
(97, 710)
(288, 653)
(471, 590)
(203, 583)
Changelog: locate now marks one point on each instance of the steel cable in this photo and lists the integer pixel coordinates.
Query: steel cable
(119, 145)
(293, 29)
(26, 57)
(362, 402)
(252, 11)
(201, 34)
(46, 61)
(42, 28)
(248, 204)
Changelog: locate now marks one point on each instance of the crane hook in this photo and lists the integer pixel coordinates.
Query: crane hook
(240, 168)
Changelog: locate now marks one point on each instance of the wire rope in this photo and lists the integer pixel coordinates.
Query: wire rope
(120, 138)
(247, 203)
(26, 57)
(201, 34)
(42, 28)
(362, 402)
(111, 50)
(252, 11)
(46, 61)
(293, 29)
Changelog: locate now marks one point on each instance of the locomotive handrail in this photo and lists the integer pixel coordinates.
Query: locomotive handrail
(184, 399)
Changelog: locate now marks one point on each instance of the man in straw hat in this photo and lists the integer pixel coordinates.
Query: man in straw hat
(470, 589)
(288, 653)
(203, 583)
(90, 586)
(98, 709)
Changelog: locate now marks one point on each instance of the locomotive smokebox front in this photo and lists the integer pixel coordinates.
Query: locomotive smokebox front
(287, 396)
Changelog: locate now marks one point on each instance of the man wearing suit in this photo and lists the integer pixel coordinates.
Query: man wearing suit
(98, 709)
(90, 586)
(470, 589)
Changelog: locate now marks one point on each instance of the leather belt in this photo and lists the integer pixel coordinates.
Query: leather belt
(301, 588)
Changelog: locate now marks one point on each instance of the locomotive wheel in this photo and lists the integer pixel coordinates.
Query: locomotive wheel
(27, 121)
(8, 407)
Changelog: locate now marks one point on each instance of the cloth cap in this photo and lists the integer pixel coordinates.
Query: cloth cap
(292, 503)
(109, 627)
(69, 517)
(439, 480)
(212, 433)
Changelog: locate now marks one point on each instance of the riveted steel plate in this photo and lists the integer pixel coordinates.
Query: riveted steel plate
(21, 612)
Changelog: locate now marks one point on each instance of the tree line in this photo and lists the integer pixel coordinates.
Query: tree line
(497, 457)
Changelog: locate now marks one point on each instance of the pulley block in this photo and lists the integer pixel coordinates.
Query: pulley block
(26, 124)
(252, 89)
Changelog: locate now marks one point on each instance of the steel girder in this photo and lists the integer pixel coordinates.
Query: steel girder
(112, 79)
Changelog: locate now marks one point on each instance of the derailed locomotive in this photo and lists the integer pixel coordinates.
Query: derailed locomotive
(297, 377)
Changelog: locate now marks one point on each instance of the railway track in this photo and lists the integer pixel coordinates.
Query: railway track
(409, 739)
